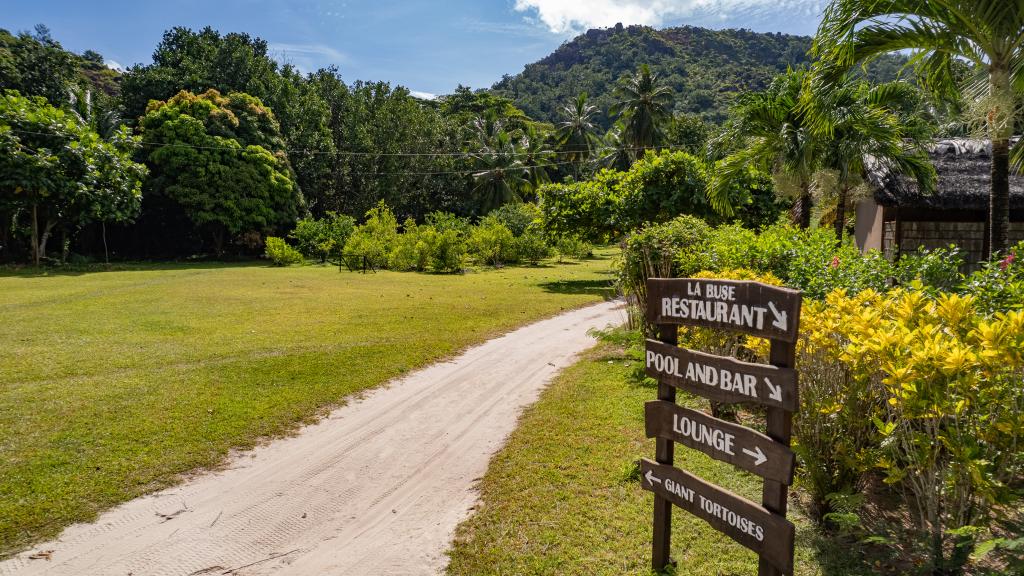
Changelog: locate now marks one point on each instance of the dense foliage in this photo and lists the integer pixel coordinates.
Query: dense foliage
(705, 68)
(656, 188)
(220, 162)
(57, 175)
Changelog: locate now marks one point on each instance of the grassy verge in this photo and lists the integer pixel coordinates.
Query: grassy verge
(563, 496)
(113, 384)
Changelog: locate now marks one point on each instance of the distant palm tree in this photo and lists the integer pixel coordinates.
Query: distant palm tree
(644, 106)
(773, 132)
(536, 156)
(987, 33)
(577, 132)
(617, 154)
(861, 124)
(501, 174)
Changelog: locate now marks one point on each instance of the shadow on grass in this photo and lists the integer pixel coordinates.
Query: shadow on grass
(19, 271)
(596, 287)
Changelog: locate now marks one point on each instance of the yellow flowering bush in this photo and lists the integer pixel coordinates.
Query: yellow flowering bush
(927, 390)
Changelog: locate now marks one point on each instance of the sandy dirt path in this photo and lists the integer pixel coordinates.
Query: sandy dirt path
(376, 488)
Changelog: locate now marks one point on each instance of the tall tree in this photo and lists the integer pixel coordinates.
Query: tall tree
(36, 65)
(501, 175)
(771, 130)
(644, 105)
(576, 132)
(987, 33)
(60, 175)
(861, 124)
(221, 162)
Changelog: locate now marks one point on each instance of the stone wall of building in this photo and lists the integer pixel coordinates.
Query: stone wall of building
(969, 236)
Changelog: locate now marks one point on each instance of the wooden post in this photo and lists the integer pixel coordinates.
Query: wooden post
(775, 495)
(664, 454)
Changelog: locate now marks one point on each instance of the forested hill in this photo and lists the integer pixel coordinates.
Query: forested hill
(705, 68)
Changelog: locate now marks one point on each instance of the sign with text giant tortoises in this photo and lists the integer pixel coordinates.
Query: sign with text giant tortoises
(770, 535)
(740, 305)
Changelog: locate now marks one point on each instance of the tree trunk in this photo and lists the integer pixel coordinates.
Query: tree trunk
(42, 241)
(844, 192)
(1000, 127)
(801, 211)
(35, 234)
(106, 253)
(999, 200)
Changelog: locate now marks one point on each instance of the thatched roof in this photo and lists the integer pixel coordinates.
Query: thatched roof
(964, 181)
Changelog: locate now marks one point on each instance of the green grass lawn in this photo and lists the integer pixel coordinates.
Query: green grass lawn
(113, 384)
(563, 497)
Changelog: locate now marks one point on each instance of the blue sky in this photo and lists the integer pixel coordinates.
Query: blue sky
(428, 46)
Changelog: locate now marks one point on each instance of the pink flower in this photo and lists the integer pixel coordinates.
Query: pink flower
(1005, 262)
(835, 261)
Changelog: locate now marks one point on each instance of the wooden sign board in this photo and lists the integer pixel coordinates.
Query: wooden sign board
(725, 441)
(740, 305)
(721, 378)
(749, 524)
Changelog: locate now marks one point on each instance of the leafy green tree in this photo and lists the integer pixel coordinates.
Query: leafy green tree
(688, 133)
(774, 134)
(987, 33)
(576, 132)
(36, 66)
(58, 174)
(644, 106)
(221, 161)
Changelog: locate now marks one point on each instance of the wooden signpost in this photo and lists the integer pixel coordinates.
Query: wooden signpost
(748, 307)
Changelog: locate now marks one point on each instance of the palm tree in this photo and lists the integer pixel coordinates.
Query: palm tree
(774, 133)
(576, 134)
(501, 173)
(643, 107)
(869, 127)
(617, 155)
(537, 157)
(987, 33)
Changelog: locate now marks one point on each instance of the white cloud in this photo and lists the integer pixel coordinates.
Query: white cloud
(113, 64)
(423, 95)
(570, 16)
(307, 57)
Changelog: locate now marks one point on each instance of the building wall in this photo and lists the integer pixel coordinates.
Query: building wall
(868, 230)
(969, 236)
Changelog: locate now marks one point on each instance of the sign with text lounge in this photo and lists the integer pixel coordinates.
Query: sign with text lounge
(742, 306)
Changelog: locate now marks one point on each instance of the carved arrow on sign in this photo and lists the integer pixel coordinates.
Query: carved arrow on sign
(651, 479)
(780, 317)
(774, 392)
(756, 454)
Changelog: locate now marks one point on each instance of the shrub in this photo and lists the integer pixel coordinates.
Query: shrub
(651, 252)
(573, 248)
(491, 242)
(999, 285)
(410, 250)
(324, 238)
(280, 253)
(516, 216)
(445, 221)
(939, 268)
(531, 246)
(952, 420)
(373, 241)
(447, 250)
